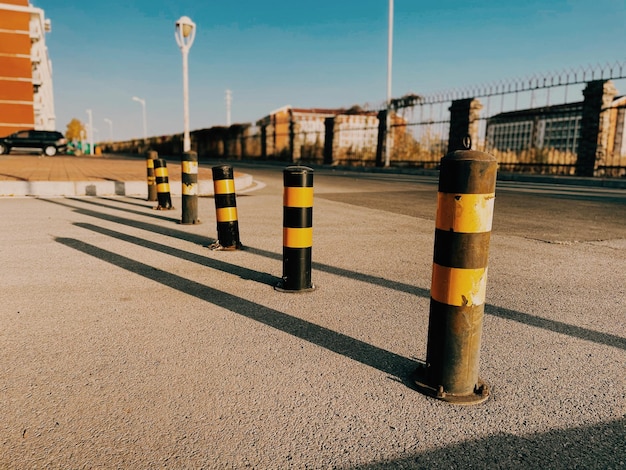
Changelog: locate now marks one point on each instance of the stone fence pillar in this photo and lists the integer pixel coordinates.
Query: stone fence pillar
(594, 126)
(464, 118)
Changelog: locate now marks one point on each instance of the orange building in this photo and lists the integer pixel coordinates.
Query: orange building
(26, 98)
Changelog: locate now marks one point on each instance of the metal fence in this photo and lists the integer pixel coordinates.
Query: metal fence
(535, 125)
(530, 125)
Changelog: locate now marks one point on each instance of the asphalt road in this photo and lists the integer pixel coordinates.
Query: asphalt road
(126, 343)
(554, 213)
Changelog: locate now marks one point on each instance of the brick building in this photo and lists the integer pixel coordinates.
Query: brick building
(26, 96)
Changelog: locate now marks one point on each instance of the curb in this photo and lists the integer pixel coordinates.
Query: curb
(104, 188)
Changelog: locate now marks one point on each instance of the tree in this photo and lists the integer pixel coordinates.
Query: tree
(74, 130)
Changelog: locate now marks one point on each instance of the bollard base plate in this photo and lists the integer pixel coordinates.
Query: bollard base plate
(480, 394)
(280, 288)
(193, 222)
(218, 247)
(163, 208)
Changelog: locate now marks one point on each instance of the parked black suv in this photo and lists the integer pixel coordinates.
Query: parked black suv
(48, 142)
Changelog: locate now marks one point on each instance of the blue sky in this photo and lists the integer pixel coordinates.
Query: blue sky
(304, 53)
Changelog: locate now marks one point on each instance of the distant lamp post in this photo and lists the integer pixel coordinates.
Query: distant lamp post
(110, 123)
(389, 138)
(185, 32)
(145, 125)
(90, 131)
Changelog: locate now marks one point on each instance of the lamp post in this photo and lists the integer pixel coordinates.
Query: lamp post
(90, 133)
(110, 123)
(185, 32)
(389, 140)
(145, 126)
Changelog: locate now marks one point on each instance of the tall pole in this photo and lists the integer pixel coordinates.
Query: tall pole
(90, 134)
(229, 100)
(185, 32)
(186, 138)
(143, 109)
(388, 140)
(110, 123)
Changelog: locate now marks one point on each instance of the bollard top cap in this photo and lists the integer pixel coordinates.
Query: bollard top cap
(470, 155)
(298, 169)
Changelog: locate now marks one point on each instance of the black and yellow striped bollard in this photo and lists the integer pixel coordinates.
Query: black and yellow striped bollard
(152, 189)
(225, 209)
(465, 204)
(189, 190)
(163, 185)
(297, 229)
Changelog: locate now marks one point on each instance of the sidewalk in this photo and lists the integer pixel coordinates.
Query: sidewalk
(64, 175)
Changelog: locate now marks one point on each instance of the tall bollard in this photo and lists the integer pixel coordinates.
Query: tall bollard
(465, 203)
(297, 229)
(225, 209)
(151, 155)
(163, 185)
(189, 168)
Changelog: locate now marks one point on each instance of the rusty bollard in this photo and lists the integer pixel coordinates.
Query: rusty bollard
(163, 185)
(465, 204)
(189, 183)
(225, 209)
(151, 155)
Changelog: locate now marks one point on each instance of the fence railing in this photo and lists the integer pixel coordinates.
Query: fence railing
(565, 123)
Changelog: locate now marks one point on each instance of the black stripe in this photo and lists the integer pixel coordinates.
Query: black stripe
(296, 268)
(222, 172)
(454, 336)
(225, 200)
(189, 157)
(228, 233)
(160, 163)
(297, 217)
(189, 178)
(298, 177)
(162, 179)
(467, 176)
(461, 250)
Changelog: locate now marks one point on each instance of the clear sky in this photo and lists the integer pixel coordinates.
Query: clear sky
(304, 53)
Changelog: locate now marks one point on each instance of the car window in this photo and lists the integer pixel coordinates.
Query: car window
(22, 135)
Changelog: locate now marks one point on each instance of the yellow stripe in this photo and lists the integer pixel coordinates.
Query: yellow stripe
(458, 287)
(150, 163)
(191, 168)
(224, 186)
(163, 188)
(160, 172)
(297, 237)
(190, 189)
(465, 213)
(226, 214)
(298, 197)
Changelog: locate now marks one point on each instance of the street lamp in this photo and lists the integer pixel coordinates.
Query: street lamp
(145, 126)
(389, 139)
(185, 32)
(90, 133)
(110, 123)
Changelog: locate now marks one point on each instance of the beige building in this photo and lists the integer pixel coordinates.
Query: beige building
(26, 96)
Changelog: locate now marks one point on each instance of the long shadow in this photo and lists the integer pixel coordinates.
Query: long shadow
(557, 327)
(397, 366)
(599, 446)
(504, 313)
(244, 273)
(125, 200)
(154, 214)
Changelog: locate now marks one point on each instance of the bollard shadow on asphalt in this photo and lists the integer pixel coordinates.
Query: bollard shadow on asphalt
(597, 446)
(155, 215)
(493, 310)
(398, 367)
(244, 273)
